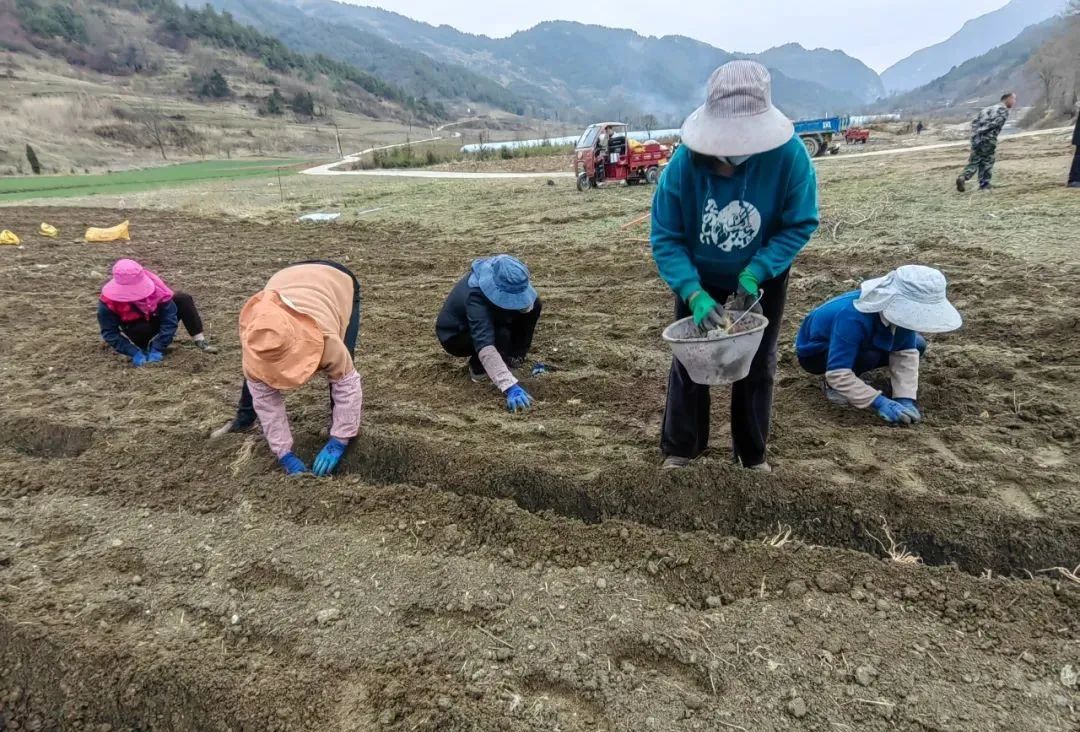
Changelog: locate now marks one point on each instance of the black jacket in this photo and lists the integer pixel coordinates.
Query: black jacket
(466, 309)
(1076, 132)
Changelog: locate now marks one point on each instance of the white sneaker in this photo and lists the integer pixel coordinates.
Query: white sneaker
(673, 462)
(760, 468)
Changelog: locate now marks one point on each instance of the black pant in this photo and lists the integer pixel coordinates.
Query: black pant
(685, 432)
(866, 360)
(1074, 174)
(513, 339)
(142, 331)
(245, 410)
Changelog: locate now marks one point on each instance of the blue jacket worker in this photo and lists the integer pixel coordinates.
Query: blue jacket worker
(732, 210)
(490, 317)
(877, 327)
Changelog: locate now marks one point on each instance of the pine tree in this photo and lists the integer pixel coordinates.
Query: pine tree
(275, 103)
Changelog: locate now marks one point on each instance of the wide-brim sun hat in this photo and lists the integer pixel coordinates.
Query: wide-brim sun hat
(738, 117)
(505, 281)
(281, 346)
(129, 282)
(912, 297)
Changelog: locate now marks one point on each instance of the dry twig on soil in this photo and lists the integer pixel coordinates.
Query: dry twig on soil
(1073, 575)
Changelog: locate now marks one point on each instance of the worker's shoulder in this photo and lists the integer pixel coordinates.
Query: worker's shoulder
(792, 152)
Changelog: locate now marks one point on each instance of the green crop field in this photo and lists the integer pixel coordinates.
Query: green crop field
(133, 181)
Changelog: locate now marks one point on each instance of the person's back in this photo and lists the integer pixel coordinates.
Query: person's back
(987, 125)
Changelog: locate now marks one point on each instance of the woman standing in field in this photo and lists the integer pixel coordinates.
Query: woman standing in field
(138, 314)
(734, 207)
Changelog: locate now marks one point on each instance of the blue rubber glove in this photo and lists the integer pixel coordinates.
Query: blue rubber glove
(517, 399)
(139, 359)
(892, 412)
(329, 457)
(912, 406)
(155, 356)
(292, 464)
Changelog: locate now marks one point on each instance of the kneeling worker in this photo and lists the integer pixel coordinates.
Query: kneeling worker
(490, 317)
(306, 319)
(876, 327)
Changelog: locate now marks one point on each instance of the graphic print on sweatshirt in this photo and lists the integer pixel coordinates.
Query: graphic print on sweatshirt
(734, 227)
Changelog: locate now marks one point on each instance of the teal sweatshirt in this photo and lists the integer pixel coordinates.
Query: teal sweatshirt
(707, 228)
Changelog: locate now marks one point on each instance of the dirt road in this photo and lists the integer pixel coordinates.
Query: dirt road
(331, 168)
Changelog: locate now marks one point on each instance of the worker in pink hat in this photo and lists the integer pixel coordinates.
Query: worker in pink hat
(138, 314)
(306, 320)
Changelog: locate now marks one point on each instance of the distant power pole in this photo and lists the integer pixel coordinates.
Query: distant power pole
(337, 136)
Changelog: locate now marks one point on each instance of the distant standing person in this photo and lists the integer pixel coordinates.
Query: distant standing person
(984, 138)
(1074, 174)
(919, 128)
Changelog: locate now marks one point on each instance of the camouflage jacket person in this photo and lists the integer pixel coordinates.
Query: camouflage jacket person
(987, 126)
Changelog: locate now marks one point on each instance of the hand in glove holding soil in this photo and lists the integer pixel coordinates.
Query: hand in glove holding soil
(138, 359)
(708, 314)
(155, 356)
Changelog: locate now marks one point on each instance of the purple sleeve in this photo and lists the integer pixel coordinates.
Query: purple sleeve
(348, 395)
(270, 406)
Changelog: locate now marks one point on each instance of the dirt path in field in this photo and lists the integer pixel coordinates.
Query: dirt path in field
(471, 571)
(435, 173)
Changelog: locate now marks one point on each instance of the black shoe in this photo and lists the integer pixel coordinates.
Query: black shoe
(1075, 184)
(960, 184)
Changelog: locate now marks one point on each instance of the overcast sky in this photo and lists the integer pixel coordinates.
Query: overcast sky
(879, 32)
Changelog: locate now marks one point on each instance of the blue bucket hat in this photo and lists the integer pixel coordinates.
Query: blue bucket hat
(504, 281)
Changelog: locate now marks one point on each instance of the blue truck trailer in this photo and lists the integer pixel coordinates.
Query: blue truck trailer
(817, 134)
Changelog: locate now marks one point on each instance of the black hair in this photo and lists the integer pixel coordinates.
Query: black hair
(1006, 95)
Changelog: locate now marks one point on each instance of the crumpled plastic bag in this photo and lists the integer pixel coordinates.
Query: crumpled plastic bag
(8, 237)
(49, 231)
(120, 231)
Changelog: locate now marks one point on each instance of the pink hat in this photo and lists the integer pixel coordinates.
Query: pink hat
(129, 282)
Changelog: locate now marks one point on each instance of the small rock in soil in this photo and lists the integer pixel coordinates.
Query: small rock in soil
(329, 615)
(1027, 657)
(694, 702)
(714, 601)
(865, 675)
(795, 589)
(797, 708)
(601, 584)
(503, 654)
(832, 582)
(833, 645)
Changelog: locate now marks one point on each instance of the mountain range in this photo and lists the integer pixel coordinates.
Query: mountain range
(977, 37)
(557, 69)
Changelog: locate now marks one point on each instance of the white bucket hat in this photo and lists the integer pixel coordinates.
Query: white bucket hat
(912, 297)
(738, 117)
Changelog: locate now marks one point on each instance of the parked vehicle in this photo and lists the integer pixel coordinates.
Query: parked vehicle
(856, 135)
(626, 159)
(817, 134)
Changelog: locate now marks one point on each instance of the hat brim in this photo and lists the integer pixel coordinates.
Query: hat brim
(940, 317)
(303, 359)
(734, 136)
(116, 292)
(502, 299)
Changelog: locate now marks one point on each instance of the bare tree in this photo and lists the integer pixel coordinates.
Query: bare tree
(152, 121)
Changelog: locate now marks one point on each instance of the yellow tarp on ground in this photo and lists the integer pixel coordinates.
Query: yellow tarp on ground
(120, 231)
(49, 231)
(8, 237)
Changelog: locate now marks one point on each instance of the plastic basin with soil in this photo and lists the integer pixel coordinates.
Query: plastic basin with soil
(720, 356)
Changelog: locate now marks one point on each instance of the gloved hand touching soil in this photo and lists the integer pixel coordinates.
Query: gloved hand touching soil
(911, 406)
(894, 412)
(292, 464)
(155, 356)
(517, 399)
(329, 457)
(139, 359)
